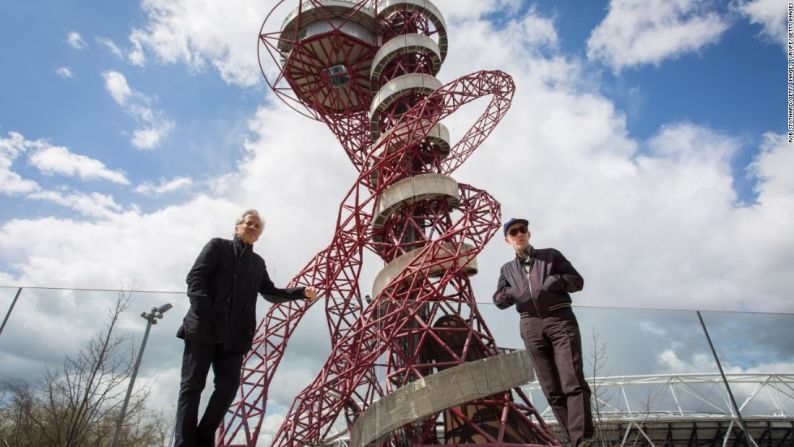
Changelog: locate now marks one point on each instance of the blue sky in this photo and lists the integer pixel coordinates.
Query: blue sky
(637, 119)
(646, 141)
(76, 111)
(732, 84)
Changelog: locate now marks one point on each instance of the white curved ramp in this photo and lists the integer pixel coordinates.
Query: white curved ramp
(437, 392)
(405, 85)
(447, 249)
(310, 13)
(412, 189)
(424, 7)
(401, 45)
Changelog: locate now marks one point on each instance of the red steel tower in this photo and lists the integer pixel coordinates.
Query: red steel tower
(412, 362)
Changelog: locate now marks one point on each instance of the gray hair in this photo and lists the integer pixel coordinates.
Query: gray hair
(249, 212)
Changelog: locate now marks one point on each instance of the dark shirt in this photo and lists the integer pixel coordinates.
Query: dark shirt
(538, 283)
(222, 286)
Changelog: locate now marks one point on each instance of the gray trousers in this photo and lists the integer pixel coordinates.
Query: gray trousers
(554, 344)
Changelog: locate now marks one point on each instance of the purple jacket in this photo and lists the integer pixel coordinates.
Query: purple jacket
(551, 279)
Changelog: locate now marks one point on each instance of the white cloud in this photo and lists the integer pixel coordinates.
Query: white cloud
(652, 328)
(272, 176)
(705, 363)
(59, 160)
(156, 125)
(771, 168)
(637, 32)
(202, 32)
(116, 84)
(101, 243)
(763, 368)
(137, 55)
(468, 10)
(755, 395)
(670, 363)
(646, 200)
(10, 182)
(769, 14)
(206, 32)
(110, 45)
(150, 137)
(164, 187)
(666, 204)
(56, 160)
(65, 72)
(92, 204)
(75, 40)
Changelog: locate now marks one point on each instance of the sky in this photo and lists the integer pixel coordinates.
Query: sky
(646, 141)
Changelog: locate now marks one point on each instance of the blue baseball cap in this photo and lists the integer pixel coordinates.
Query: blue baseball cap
(514, 220)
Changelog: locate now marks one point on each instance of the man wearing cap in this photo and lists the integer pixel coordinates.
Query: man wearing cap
(538, 282)
(219, 326)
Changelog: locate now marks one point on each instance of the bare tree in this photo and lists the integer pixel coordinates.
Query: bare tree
(16, 429)
(79, 403)
(647, 410)
(596, 361)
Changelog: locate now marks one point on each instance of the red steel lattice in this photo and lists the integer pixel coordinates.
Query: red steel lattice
(424, 317)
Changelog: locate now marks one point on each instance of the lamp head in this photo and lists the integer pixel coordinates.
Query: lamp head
(164, 308)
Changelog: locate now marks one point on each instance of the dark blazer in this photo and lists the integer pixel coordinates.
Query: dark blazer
(222, 286)
(551, 279)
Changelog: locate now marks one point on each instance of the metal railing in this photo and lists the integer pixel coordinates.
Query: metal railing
(686, 396)
(40, 326)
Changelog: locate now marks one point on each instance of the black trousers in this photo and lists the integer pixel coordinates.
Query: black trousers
(554, 344)
(196, 361)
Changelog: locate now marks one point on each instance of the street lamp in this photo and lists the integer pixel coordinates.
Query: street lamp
(151, 318)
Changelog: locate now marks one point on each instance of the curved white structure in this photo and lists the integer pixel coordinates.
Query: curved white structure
(392, 269)
(412, 189)
(408, 84)
(360, 22)
(326, 50)
(426, 8)
(439, 391)
(401, 45)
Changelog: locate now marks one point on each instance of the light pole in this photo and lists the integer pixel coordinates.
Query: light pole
(151, 318)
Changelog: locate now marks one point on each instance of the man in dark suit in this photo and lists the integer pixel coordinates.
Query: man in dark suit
(538, 282)
(219, 326)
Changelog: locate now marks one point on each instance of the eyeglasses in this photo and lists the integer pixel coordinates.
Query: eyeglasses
(515, 231)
